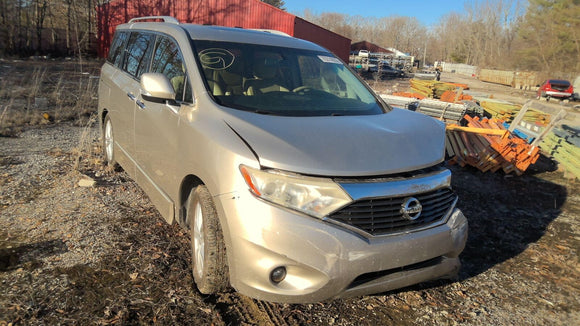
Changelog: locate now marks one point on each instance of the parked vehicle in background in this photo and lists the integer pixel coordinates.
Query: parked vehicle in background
(382, 70)
(297, 183)
(388, 71)
(576, 85)
(558, 88)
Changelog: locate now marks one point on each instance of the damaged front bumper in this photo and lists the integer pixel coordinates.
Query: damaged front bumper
(323, 260)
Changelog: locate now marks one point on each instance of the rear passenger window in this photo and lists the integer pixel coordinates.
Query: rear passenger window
(169, 61)
(116, 52)
(138, 53)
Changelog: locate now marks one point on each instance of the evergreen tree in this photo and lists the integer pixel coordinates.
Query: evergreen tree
(550, 35)
(276, 3)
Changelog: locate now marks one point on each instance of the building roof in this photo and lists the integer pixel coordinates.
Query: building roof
(365, 45)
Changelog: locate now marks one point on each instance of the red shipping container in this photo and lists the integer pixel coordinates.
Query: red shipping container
(231, 13)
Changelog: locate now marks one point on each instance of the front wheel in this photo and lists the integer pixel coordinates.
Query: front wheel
(210, 270)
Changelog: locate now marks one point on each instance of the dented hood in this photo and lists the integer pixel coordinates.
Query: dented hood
(397, 141)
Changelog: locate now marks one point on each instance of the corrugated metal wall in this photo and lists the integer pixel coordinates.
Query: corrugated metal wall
(232, 13)
(336, 43)
(235, 13)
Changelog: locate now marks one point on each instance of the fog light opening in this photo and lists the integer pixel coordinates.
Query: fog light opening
(278, 274)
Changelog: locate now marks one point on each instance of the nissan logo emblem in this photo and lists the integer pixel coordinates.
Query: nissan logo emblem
(411, 208)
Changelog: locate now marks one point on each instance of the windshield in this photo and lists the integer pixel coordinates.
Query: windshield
(282, 81)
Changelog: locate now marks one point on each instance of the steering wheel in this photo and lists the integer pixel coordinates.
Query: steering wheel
(302, 89)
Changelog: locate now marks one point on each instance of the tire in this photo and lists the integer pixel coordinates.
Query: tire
(109, 142)
(210, 270)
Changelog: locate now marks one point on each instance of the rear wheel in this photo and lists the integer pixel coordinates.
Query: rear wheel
(210, 270)
(109, 142)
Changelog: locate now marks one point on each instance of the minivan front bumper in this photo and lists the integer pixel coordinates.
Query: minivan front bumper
(324, 260)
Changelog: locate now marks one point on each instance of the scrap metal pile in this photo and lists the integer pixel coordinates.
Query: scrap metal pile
(488, 146)
(492, 135)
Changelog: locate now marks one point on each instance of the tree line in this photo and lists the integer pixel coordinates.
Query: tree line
(40, 27)
(539, 35)
(536, 35)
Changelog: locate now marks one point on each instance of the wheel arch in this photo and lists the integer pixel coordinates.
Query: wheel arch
(102, 117)
(187, 184)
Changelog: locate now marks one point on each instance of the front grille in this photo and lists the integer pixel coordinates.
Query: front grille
(379, 216)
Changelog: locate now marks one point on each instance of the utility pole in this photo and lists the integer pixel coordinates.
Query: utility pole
(424, 53)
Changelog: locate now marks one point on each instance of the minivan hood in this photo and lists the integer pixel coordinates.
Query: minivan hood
(342, 146)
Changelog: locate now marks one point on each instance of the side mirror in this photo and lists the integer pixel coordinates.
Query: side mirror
(156, 87)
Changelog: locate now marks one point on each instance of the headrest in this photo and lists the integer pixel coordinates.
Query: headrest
(266, 65)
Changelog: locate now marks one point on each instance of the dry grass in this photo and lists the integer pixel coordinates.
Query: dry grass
(89, 149)
(45, 92)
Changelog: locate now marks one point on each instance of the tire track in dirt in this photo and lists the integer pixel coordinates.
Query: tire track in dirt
(238, 309)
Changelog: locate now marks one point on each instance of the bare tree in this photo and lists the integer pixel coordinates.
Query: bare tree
(483, 35)
(41, 9)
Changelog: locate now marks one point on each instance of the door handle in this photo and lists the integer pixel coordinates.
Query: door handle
(131, 96)
(140, 104)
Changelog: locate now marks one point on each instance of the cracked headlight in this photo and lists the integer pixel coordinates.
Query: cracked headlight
(314, 196)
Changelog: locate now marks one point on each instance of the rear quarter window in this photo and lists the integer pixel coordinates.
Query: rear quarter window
(116, 52)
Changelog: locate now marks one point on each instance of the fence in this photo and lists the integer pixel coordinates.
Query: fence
(459, 68)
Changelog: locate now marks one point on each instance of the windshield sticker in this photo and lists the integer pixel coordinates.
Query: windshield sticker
(216, 59)
(328, 59)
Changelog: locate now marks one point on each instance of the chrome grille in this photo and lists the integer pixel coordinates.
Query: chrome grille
(378, 216)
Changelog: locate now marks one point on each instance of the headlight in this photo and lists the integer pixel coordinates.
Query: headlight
(314, 196)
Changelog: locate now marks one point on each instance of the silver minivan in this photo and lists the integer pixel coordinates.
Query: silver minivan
(297, 183)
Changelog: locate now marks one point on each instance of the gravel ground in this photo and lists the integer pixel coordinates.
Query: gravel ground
(103, 255)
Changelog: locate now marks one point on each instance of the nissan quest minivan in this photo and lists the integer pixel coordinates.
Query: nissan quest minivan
(297, 183)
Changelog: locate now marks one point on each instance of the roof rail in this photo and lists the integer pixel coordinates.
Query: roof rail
(271, 31)
(166, 19)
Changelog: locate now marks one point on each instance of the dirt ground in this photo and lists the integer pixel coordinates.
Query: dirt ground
(103, 255)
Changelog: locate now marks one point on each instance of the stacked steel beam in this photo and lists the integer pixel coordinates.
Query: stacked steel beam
(434, 89)
(507, 112)
(409, 94)
(442, 110)
(563, 144)
(455, 97)
(488, 146)
(403, 102)
(437, 109)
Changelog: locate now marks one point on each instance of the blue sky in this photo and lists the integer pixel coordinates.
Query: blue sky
(427, 12)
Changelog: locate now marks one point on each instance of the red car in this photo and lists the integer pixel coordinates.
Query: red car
(556, 88)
